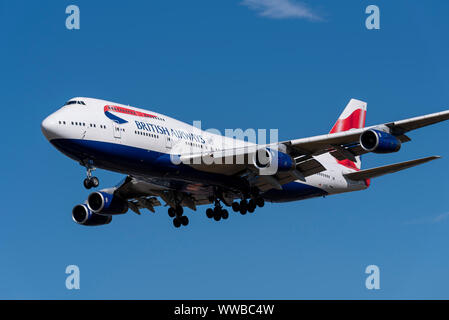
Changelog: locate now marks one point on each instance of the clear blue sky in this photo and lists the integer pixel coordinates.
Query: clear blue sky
(223, 63)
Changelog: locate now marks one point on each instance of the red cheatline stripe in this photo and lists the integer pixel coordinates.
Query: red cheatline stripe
(128, 111)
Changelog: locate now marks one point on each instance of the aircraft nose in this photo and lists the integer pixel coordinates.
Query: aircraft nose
(48, 127)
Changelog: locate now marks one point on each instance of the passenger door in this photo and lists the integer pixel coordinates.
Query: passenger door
(117, 131)
(168, 142)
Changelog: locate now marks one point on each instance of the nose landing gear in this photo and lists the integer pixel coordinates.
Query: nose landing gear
(90, 182)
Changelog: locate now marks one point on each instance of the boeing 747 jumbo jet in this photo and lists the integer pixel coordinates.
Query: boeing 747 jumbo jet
(182, 166)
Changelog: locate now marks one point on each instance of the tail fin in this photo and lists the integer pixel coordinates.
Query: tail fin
(353, 117)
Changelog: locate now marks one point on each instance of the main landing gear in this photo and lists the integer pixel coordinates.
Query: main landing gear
(217, 213)
(91, 182)
(244, 206)
(248, 206)
(177, 214)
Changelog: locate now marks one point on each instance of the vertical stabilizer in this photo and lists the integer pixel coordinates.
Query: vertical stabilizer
(353, 117)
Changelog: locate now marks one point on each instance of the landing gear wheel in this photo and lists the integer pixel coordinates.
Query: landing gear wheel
(251, 206)
(87, 183)
(235, 206)
(210, 213)
(179, 211)
(176, 222)
(243, 207)
(225, 214)
(171, 212)
(90, 181)
(260, 202)
(217, 217)
(184, 220)
(94, 182)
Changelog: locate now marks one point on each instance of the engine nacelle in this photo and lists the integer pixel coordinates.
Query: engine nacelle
(81, 214)
(272, 159)
(104, 203)
(379, 142)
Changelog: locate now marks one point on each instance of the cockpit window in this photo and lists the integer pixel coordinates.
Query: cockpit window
(74, 102)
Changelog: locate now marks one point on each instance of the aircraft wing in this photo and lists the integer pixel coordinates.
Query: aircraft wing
(240, 162)
(345, 145)
(341, 145)
(403, 126)
(147, 193)
(138, 194)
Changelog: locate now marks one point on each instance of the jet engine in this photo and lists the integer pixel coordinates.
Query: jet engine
(267, 158)
(81, 214)
(105, 203)
(379, 142)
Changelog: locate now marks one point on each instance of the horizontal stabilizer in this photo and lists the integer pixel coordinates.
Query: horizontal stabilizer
(380, 171)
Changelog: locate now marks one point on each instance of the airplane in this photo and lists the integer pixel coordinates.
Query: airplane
(166, 160)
